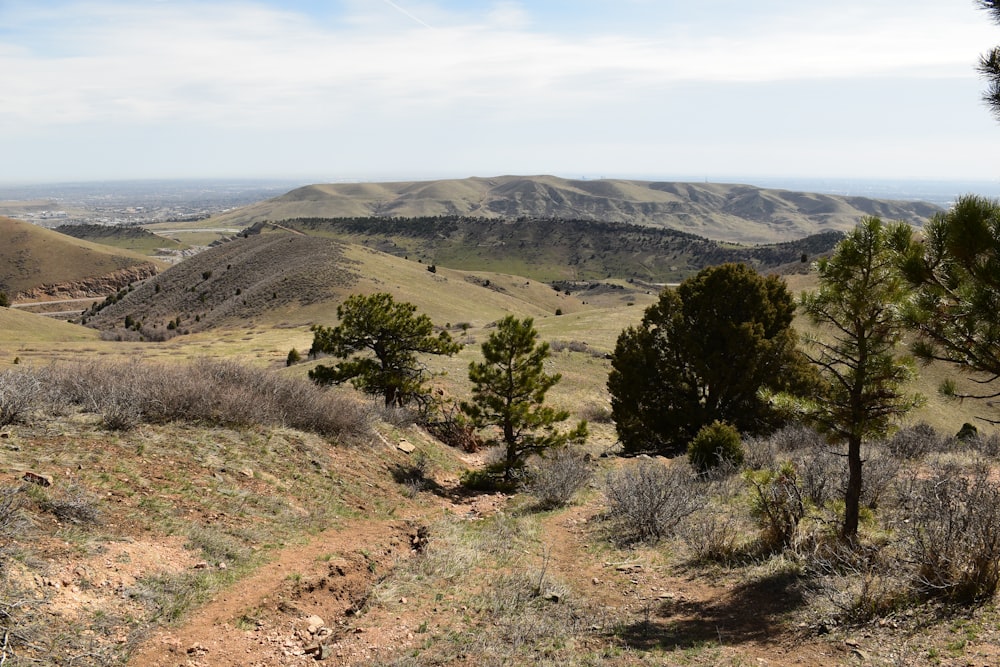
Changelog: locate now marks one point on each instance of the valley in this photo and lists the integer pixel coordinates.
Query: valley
(261, 521)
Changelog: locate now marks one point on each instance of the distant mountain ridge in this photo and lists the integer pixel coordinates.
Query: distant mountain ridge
(737, 213)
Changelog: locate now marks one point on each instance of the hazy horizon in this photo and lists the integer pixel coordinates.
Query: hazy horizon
(940, 192)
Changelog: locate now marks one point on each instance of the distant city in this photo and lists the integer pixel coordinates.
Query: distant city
(133, 202)
(145, 202)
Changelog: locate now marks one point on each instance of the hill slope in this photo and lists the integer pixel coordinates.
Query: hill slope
(558, 250)
(290, 280)
(133, 238)
(37, 262)
(739, 213)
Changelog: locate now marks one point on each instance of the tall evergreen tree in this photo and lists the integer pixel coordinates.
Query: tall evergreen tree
(955, 273)
(508, 395)
(858, 307)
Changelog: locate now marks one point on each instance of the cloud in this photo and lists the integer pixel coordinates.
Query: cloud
(249, 63)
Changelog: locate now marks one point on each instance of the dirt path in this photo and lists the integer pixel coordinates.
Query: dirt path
(265, 618)
(662, 609)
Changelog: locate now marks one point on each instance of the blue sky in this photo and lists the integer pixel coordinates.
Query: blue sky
(404, 89)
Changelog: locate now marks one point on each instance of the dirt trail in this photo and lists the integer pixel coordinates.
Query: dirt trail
(263, 619)
(663, 609)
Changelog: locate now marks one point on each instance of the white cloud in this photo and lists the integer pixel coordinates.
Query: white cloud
(371, 85)
(248, 63)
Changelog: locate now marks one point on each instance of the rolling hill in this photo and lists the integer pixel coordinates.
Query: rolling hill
(554, 250)
(737, 213)
(37, 263)
(131, 238)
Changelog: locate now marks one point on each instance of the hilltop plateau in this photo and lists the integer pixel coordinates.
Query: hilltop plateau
(737, 213)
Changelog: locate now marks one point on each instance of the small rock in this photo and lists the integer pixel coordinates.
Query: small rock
(552, 596)
(314, 623)
(247, 472)
(402, 600)
(406, 446)
(35, 478)
(197, 650)
(202, 565)
(222, 565)
(595, 581)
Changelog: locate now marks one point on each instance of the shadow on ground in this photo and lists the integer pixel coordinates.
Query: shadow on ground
(749, 612)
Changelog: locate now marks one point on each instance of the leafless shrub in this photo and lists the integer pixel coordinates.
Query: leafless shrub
(880, 471)
(414, 475)
(796, 436)
(955, 535)
(862, 581)
(555, 479)
(13, 521)
(74, 505)
(215, 392)
(596, 413)
(914, 442)
(575, 346)
(19, 393)
(760, 452)
(447, 423)
(647, 499)
(712, 536)
(986, 445)
(821, 473)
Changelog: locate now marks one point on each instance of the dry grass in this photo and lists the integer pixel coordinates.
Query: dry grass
(33, 256)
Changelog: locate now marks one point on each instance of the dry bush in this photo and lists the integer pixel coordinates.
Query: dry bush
(954, 535)
(555, 479)
(20, 392)
(712, 536)
(447, 423)
(596, 413)
(862, 581)
(647, 499)
(13, 521)
(821, 472)
(73, 504)
(213, 392)
(986, 445)
(915, 442)
(795, 437)
(766, 452)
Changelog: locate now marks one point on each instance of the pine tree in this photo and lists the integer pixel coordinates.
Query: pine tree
(508, 395)
(858, 306)
(392, 334)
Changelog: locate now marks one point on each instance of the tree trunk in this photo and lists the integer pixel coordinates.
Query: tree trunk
(852, 499)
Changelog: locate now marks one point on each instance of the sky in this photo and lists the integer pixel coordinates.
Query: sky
(335, 90)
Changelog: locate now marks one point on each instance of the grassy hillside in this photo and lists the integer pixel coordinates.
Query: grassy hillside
(558, 250)
(739, 213)
(17, 327)
(31, 256)
(135, 239)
